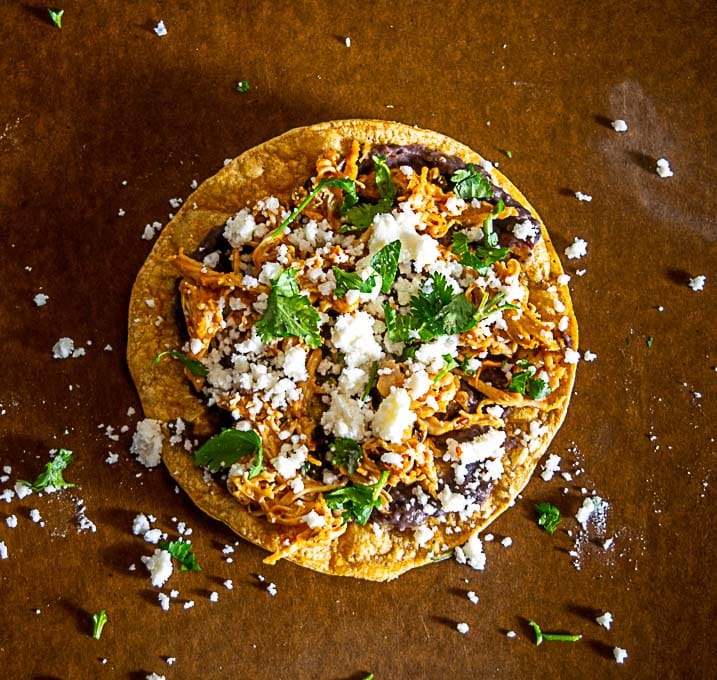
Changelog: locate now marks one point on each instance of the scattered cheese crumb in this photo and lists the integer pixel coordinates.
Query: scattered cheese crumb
(11, 521)
(228, 584)
(214, 596)
(3, 551)
(163, 601)
(471, 595)
(620, 654)
(663, 168)
(147, 442)
(583, 197)
(160, 29)
(550, 467)
(171, 660)
(471, 553)
(271, 589)
(507, 542)
(619, 125)
(189, 604)
(589, 356)
(121, 212)
(347, 41)
(159, 565)
(571, 356)
(697, 283)
(41, 299)
(140, 525)
(35, 515)
(605, 620)
(63, 348)
(577, 249)
(462, 628)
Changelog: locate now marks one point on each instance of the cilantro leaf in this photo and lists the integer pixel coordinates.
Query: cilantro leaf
(194, 366)
(182, 552)
(538, 388)
(469, 183)
(437, 310)
(479, 258)
(242, 86)
(228, 447)
(548, 517)
(450, 365)
(397, 325)
(345, 183)
(98, 623)
(649, 341)
(371, 381)
(385, 262)
(346, 281)
(360, 216)
(56, 16)
(289, 314)
(523, 382)
(346, 452)
(488, 305)
(52, 476)
(357, 500)
(557, 637)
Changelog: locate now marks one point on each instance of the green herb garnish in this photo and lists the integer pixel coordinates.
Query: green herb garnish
(481, 257)
(548, 517)
(437, 310)
(509, 153)
(450, 365)
(289, 314)
(346, 281)
(243, 86)
(440, 556)
(523, 382)
(98, 623)
(371, 381)
(350, 198)
(56, 16)
(357, 500)
(346, 452)
(182, 552)
(52, 476)
(194, 366)
(385, 262)
(360, 216)
(469, 183)
(649, 341)
(556, 637)
(228, 447)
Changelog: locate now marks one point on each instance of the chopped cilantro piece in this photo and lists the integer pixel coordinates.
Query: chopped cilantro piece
(230, 446)
(346, 281)
(649, 341)
(52, 475)
(548, 517)
(538, 388)
(357, 500)
(346, 452)
(243, 86)
(557, 637)
(509, 153)
(440, 556)
(182, 552)
(450, 365)
(488, 305)
(481, 257)
(397, 325)
(437, 310)
(523, 382)
(98, 623)
(371, 381)
(194, 366)
(385, 262)
(350, 198)
(56, 16)
(289, 314)
(360, 216)
(469, 183)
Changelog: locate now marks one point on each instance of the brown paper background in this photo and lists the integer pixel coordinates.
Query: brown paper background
(105, 100)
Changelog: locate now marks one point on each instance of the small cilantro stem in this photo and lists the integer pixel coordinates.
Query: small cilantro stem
(98, 623)
(552, 637)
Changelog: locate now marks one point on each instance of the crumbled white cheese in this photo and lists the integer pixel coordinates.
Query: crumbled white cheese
(159, 565)
(295, 363)
(3, 551)
(589, 356)
(589, 506)
(153, 536)
(228, 584)
(163, 601)
(571, 356)
(697, 283)
(619, 125)
(63, 348)
(471, 595)
(347, 41)
(147, 442)
(239, 229)
(22, 490)
(663, 168)
(41, 299)
(471, 553)
(314, 520)
(550, 467)
(140, 525)
(583, 197)
(511, 634)
(160, 29)
(620, 654)
(422, 534)
(394, 418)
(507, 542)
(353, 335)
(418, 249)
(462, 628)
(526, 230)
(35, 515)
(11, 521)
(577, 249)
(214, 596)
(605, 620)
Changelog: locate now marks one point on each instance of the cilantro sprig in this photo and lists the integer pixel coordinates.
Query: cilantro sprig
(372, 375)
(230, 446)
(98, 623)
(289, 314)
(182, 552)
(482, 256)
(194, 366)
(361, 215)
(345, 183)
(52, 475)
(451, 363)
(346, 281)
(56, 16)
(469, 183)
(523, 382)
(556, 637)
(346, 452)
(357, 500)
(548, 517)
(243, 86)
(385, 263)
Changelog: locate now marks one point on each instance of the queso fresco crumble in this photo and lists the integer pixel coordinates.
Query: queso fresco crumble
(369, 342)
